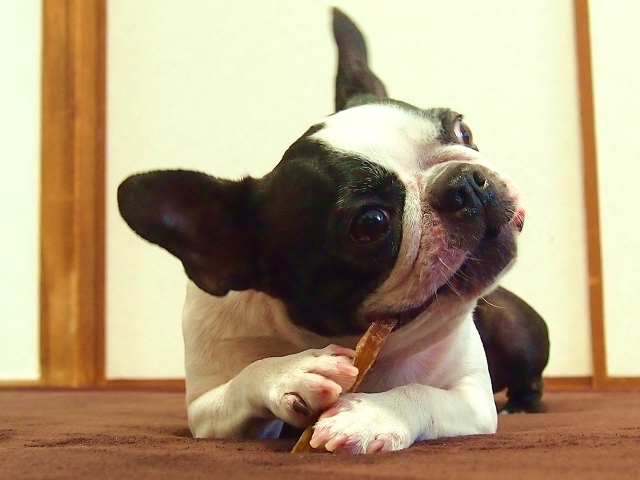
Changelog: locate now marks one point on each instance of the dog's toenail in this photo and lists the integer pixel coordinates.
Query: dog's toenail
(300, 406)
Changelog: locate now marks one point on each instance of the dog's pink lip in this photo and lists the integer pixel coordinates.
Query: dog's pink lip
(518, 219)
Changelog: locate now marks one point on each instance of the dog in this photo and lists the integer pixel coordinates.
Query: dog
(381, 210)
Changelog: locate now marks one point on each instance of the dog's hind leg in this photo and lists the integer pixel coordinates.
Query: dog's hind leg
(525, 398)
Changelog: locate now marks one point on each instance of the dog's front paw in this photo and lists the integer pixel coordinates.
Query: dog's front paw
(362, 423)
(309, 382)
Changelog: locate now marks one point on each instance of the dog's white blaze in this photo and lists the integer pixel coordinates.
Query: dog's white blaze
(385, 134)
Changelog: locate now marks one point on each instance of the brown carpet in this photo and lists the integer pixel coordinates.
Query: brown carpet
(141, 434)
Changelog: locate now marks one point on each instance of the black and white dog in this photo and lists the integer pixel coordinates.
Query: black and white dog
(380, 210)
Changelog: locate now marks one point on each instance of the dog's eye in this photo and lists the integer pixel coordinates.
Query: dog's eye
(463, 133)
(369, 225)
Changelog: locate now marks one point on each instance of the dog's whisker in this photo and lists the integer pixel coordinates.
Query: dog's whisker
(445, 265)
(447, 281)
(456, 273)
(491, 303)
(472, 258)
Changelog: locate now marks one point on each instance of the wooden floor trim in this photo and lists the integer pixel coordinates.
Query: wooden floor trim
(178, 385)
(170, 384)
(551, 383)
(620, 383)
(21, 384)
(568, 383)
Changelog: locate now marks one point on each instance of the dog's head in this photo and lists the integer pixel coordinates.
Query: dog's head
(381, 209)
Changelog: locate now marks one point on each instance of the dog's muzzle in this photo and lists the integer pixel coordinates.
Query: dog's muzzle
(477, 214)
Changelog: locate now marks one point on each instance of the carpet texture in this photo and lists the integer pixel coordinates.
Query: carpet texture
(141, 434)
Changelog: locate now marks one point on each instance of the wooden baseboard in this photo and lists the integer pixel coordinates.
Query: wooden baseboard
(622, 383)
(582, 383)
(171, 384)
(551, 383)
(21, 383)
(177, 384)
(568, 383)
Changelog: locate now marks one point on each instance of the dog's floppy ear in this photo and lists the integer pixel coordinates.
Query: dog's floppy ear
(204, 221)
(354, 78)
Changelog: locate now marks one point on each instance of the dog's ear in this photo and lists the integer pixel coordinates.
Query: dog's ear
(204, 221)
(354, 79)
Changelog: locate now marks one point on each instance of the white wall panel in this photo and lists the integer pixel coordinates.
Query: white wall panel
(20, 72)
(615, 43)
(225, 87)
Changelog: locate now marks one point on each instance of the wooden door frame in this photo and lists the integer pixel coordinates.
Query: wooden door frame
(590, 185)
(73, 201)
(601, 377)
(72, 227)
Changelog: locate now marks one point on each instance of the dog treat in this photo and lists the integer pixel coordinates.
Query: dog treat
(367, 350)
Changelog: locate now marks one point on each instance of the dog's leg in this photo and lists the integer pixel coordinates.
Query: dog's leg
(525, 398)
(394, 418)
(516, 340)
(293, 388)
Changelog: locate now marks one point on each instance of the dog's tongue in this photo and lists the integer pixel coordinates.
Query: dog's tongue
(518, 219)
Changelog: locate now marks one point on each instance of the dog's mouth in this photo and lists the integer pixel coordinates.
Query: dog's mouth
(407, 316)
(478, 271)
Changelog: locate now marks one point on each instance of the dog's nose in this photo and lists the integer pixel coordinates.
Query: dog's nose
(470, 193)
(461, 188)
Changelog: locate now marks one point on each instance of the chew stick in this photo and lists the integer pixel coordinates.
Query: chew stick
(367, 350)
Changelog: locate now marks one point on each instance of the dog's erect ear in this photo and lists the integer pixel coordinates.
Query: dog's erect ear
(204, 221)
(354, 78)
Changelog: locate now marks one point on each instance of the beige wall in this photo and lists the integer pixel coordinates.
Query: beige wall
(225, 87)
(616, 46)
(20, 72)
